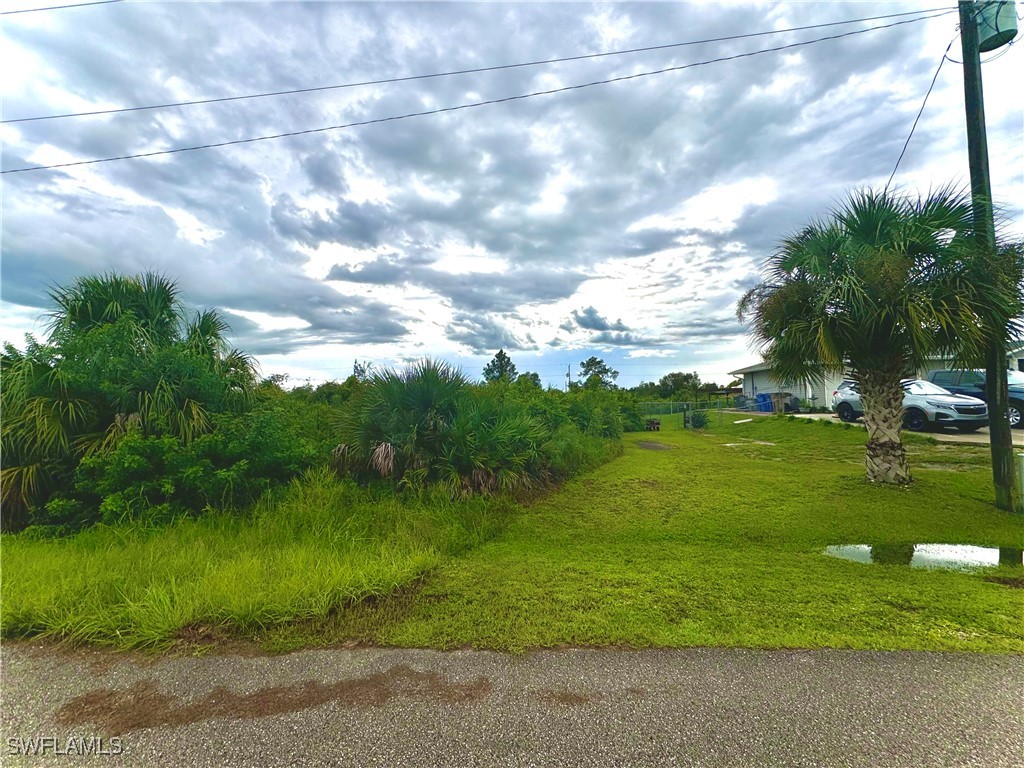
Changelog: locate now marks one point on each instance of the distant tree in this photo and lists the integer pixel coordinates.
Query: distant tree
(333, 392)
(596, 374)
(646, 389)
(500, 368)
(362, 371)
(530, 378)
(679, 385)
(275, 381)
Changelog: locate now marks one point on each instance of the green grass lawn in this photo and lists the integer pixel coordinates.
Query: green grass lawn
(715, 540)
(718, 541)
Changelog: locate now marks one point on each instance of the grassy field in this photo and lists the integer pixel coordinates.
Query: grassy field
(319, 545)
(717, 541)
(714, 538)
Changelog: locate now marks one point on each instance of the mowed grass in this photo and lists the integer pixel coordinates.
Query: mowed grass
(717, 541)
(318, 545)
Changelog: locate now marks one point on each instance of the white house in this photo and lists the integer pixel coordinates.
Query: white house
(1016, 358)
(757, 380)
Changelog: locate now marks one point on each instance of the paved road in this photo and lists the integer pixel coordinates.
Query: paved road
(593, 708)
(945, 435)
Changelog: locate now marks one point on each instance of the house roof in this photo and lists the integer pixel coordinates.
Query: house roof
(762, 366)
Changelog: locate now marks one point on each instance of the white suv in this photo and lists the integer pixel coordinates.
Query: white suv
(924, 405)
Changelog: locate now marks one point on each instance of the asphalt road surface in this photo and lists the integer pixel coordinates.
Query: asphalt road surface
(593, 708)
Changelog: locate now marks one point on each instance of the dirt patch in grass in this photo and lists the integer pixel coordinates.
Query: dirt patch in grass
(119, 711)
(648, 445)
(1016, 582)
(203, 639)
(353, 625)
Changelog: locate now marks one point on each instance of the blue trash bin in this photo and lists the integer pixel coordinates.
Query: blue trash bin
(764, 403)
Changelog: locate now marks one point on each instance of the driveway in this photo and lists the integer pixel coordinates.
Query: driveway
(592, 708)
(945, 435)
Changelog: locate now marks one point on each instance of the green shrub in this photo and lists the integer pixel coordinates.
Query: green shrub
(632, 416)
(122, 356)
(428, 424)
(569, 451)
(698, 419)
(157, 478)
(596, 412)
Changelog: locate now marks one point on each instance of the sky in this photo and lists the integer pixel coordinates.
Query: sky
(621, 220)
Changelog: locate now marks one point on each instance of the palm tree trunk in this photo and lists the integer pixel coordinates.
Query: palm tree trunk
(882, 398)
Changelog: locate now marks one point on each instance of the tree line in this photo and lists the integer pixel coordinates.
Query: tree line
(595, 373)
(134, 409)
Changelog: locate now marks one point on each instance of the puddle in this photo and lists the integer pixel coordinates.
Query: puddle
(652, 446)
(954, 556)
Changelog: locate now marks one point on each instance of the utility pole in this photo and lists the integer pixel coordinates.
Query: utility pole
(1001, 440)
(568, 377)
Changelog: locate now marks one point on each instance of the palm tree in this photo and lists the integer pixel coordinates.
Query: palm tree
(882, 284)
(44, 425)
(120, 357)
(150, 299)
(401, 421)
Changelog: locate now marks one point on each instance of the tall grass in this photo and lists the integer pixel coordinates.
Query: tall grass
(319, 544)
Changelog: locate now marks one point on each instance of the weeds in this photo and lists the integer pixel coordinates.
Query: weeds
(316, 545)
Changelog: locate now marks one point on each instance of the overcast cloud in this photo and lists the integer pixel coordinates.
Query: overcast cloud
(622, 220)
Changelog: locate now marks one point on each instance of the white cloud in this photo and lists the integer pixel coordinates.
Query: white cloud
(715, 209)
(647, 203)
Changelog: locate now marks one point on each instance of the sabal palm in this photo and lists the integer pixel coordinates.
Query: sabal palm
(120, 357)
(882, 284)
(91, 301)
(402, 419)
(43, 426)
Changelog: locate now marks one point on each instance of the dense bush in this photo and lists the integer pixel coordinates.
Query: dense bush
(428, 424)
(129, 403)
(156, 478)
(131, 410)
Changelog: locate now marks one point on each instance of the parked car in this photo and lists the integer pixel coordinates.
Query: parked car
(924, 405)
(843, 385)
(973, 383)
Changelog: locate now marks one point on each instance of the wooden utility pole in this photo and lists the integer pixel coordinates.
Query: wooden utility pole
(1001, 440)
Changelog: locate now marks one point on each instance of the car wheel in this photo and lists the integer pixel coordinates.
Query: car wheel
(968, 428)
(915, 420)
(1016, 421)
(845, 412)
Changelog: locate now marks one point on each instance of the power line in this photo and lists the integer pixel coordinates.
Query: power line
(920, 112)
(58, 7)
(409, 78)
(470, 105)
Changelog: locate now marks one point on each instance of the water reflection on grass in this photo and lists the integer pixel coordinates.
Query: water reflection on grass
(954, 556)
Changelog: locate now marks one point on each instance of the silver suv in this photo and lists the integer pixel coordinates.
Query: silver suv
(924, 405)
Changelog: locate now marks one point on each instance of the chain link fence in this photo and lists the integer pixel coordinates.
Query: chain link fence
(680, 414)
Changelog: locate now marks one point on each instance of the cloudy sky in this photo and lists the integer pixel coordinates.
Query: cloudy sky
(621, 220)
